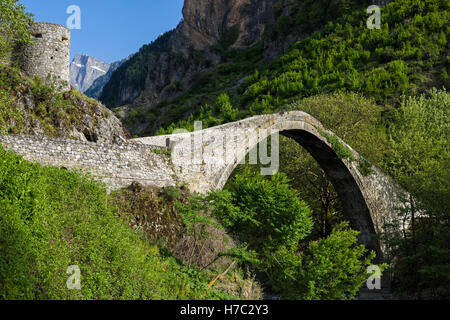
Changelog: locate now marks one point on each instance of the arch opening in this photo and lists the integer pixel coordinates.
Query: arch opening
(353, 203)
(352, 200)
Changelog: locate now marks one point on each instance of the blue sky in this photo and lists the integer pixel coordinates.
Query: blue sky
(111, 29)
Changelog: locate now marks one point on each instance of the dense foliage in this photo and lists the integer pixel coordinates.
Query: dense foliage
(14, 22)
(305, 17)
(409, 54)
(385, 63)
(419, 158)
(273, 224)
(264, 213)
(53, 218)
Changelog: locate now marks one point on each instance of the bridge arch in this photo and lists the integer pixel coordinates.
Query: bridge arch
(205, 160)
(342, 176)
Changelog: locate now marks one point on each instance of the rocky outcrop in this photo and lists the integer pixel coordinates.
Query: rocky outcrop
(172, 61)
(207, 22)
(95, 123)
(32, 108)
(85, 120)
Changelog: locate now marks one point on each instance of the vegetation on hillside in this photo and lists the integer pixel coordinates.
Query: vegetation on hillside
(14, 22)
(306, 17)
(33, 106)
(53, 218)
(408, 55)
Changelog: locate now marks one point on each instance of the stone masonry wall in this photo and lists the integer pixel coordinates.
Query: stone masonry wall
(49, 53)
(117, 165)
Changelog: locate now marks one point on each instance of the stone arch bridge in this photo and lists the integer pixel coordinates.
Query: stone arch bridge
(204, 159)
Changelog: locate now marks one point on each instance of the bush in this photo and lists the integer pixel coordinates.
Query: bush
(53, 218)
(264, 213)
(333, 268)
(272, 223)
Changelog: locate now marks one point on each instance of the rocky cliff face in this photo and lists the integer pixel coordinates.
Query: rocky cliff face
(206, 22)
(171, 62)
(84, 70)
(90, 121)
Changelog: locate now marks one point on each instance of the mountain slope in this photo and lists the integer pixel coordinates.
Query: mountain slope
(95, 89)
(168, 66)
(84, 70)
(409, 54)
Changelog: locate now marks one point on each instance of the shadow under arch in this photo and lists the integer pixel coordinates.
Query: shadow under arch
(352, 200)
(340, 173)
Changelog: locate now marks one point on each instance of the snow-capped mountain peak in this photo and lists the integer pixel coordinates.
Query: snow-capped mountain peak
(84, 70)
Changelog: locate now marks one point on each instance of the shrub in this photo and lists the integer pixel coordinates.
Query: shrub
(264, 213)
(333, 268)
(419, 160)
(272, 223)
(53, 218)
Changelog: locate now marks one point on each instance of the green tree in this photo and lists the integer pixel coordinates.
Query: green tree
(263, 212)
(14, 22)
(419, 159)
(332, 268)
(225, 108)
(273, 224)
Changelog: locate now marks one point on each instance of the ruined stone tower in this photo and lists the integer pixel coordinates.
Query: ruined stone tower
(49, 52)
